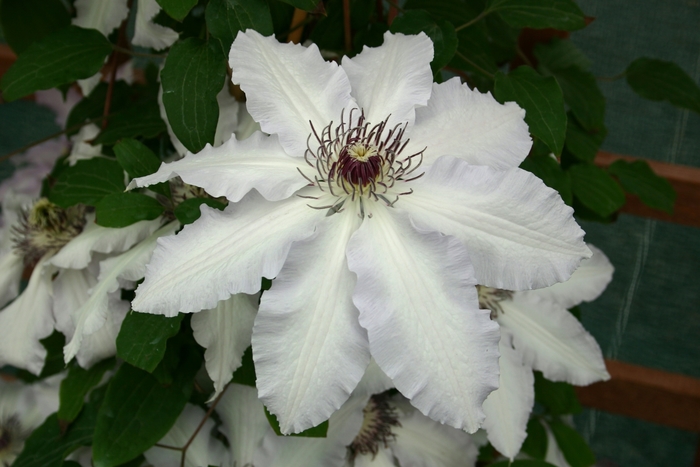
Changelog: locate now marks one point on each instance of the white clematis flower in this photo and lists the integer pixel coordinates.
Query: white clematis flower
(375, 240)
(538, 332)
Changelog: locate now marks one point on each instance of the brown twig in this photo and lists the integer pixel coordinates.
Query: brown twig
(295, 31)
(201, 424)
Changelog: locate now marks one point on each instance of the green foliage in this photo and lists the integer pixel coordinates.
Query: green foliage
(307, 5)
(189, 210)
(535, 445)
(88, 182)
(92, 106)
(27, 21)
(59, 58)
(551, 173)
(583, 97)
(123, 209)
(572, 445)
(539, 14)
(558, 398)
(143, 338)
(177, 9)
(245, 374)
(76, 385)
(142, 119)
(559, 54)
(138, 161)
(638, 178)
(319, 431)
(659, 80)
(542, 100)
(583, 144)
(194, 73)
(441, 32)
(225, 18)
(596, 189)
(53, 363)
(523, 463)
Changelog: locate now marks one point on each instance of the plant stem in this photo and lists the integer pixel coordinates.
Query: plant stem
(472, 21)
(126, 51)
(201, 424)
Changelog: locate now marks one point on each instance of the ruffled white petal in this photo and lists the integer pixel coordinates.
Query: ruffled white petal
(205, 449)
(519, 233)
(422, 442)
(464, 123)
(235, 168)
(27, 320)
(306, 325)
(77, 253)
(11, 267)
(554, 454)
(128, 266)
(243, 421)
(417, 300)
(392, 79)
(295, 451)
(508, 408)
(100, 15)
(146, 32)
(374, 381)
(585, 285)
(228, 115)
(287, 86)
(86, 85)
(225, 332)
(223, 253)
(552, 340)
(82, 149)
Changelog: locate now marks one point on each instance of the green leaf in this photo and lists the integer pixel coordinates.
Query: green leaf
(596, 190)
(559, 398)
(136, 158)
(76, 385)
(474, 52)
(540, 14)
(575, 449)
(189, 210)
(177, 9)
(123, 209)
(142, 119)
(194, 73)
(542, 100)
(583, 96)
(138, 410)
(92, 106)
(307, 5)
(319, 431)
(551, 173)
(638, 178)
(26, 21)
(226, 17)
(88, 182)
(558, 54)
(143, 338)
(523, 463)
(582, 144)
(659, 80)
(53, 363)
(441, 32)
(60, 58)
(245, 374)
(47, 446)
(535, 445)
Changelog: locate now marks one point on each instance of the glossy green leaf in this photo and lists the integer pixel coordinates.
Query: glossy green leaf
(319, 431)
(559, 398)
(638, 178)
(540, 14)
(141, 119)
(583, 144)
(189, 210)
(441, 32)
(138, 410)
(123, 209)
(27, 21)
(177, 9)
(542, 100)
(136, 158)
(474, 52)
(88, 182)
(77, 383)
(143, 338)
(596, 189)
(535, 445)
(245, 374)
(193, 74)
(48, 445)
(558, 54)
(60, 58)
(92, 106)
(575, 449)
(583, 96)
(659, 80)
(306, 5)
(551, 173)
(226, 17)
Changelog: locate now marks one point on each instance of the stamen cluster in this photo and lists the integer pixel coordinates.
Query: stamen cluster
(357, 160)
(12, 437)
(379, 417)
(490, 298)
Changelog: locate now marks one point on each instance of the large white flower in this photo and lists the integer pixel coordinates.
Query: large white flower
(375, 241)
(538, 332)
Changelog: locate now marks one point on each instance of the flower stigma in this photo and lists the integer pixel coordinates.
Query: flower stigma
(491, 298)
(378, 418)
(360, 162)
